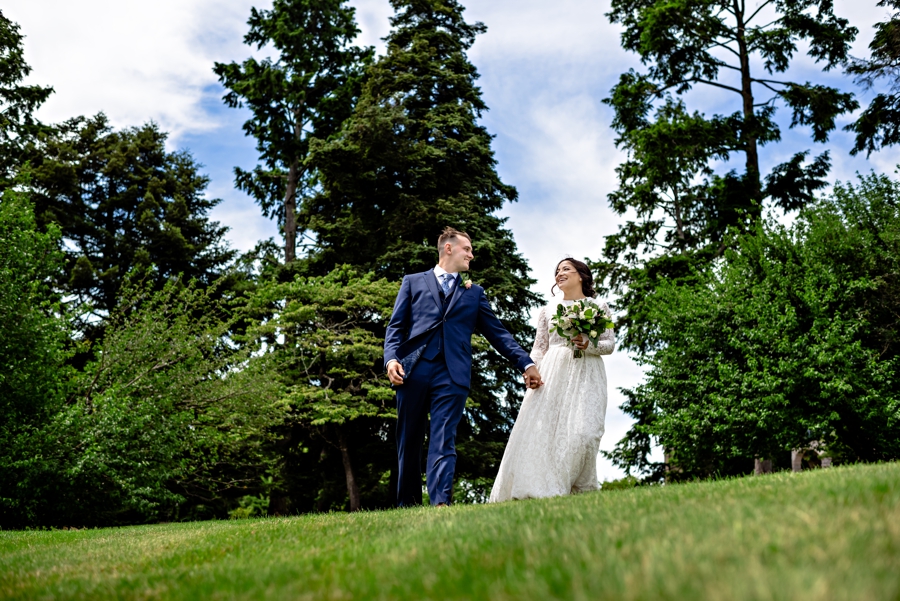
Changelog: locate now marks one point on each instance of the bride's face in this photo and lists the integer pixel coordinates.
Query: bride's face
(567, 278)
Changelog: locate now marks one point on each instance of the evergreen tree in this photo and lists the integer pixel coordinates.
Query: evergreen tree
(17, 102)
(307, 91)
(683, 207)
(879, 124)
(123, 202)
(411, 160)
(339, 404)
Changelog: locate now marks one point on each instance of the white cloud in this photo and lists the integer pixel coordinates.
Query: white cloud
(372, 16)
(135, 61)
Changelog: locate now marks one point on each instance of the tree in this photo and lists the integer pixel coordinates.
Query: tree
(411, 160)
(879, 124)
(683, 207)
(18, 102)
(307, 91)
(168, 420)
(791, 341)
(123, 202)
(32, 339)
(326, 339)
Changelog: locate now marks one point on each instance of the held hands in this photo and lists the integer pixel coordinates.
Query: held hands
(395, 373)
(533, 378)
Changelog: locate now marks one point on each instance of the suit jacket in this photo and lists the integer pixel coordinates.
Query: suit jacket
(418, 315)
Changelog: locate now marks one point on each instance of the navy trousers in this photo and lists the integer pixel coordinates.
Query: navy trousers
(428, 389)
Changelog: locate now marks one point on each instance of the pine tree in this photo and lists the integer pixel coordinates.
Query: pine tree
(683, 206)
(412, 159)
(308, 90)
(338, 401)
(18, 102)
(123, 202)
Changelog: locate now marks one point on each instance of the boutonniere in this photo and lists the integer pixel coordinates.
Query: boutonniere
(467, 283)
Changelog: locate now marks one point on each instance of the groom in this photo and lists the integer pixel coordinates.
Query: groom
(434, 318)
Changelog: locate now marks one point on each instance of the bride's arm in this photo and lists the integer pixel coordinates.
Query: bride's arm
(541, 338)
(607, 342)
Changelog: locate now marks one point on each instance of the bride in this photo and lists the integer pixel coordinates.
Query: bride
(553, 446)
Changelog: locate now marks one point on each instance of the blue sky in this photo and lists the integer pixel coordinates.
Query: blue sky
(545, 67)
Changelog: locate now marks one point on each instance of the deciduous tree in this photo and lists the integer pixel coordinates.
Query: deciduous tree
(33, 375)
(792, 340)
(168, 419)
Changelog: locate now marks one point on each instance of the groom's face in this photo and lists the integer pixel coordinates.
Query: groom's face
(460, 254)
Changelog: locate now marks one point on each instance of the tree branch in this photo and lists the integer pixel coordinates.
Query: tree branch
(731, 50)
(708, 82)
(756, 12)
(781, 83)
(768, 86)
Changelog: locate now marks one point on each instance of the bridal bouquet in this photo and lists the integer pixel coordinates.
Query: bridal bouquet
(581, 317)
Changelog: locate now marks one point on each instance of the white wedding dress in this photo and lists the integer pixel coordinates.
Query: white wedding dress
(553, 447)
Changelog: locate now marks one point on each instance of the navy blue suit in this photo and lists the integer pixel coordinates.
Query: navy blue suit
(439, 383)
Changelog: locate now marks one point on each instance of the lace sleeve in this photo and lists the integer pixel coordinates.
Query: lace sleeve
(607, 342)
(541, 338)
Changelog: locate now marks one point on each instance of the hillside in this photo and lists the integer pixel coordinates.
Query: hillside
(827, 534)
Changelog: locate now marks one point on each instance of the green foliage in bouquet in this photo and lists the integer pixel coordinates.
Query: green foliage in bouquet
(581, 318)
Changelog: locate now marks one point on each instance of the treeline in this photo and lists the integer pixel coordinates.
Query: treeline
(760, 338)
(148, 372)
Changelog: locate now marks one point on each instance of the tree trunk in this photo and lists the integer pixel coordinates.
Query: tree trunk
(679, 221)
(762, 466)
(755, 188)
(278, 505)
(290, 214)
(352, 488)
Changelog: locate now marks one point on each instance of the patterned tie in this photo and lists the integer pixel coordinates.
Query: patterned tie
(445, 283)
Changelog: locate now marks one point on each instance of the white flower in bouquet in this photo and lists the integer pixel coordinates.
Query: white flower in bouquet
(582, 317)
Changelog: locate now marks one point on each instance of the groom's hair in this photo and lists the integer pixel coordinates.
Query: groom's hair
(449, 235)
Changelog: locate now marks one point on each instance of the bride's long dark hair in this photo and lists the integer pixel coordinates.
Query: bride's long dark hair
(587, 280)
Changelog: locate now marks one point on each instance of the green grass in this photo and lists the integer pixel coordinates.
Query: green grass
(830, 534)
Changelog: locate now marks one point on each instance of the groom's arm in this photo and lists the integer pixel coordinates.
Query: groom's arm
(491, 328)
(398, 326)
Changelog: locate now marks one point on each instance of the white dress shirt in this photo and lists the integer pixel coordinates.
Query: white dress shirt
(439, 271)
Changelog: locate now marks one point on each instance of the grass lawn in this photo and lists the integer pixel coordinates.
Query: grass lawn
(828, 534)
